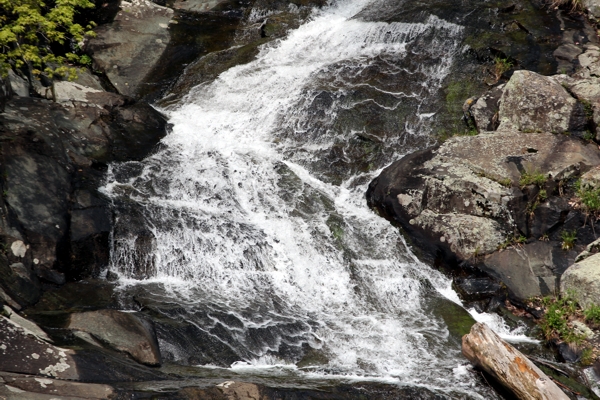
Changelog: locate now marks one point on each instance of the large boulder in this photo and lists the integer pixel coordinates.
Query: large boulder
(534, 103)
(527, 270)
(582, 281)
(465, 200)
(122, 331)
(127, 49)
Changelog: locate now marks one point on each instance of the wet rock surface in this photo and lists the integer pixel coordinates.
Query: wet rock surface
(53, 158)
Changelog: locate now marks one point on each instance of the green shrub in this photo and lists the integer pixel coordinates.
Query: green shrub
(542, 195)
(568, 239)
(590, 197)
(536, 177)
(592, 314)
(555, 322)
(29, 29)
(502, 65)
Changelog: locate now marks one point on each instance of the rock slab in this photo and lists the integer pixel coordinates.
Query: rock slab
(34, 387)
(122, 331)
(487, 351)
(22, 352)
(128, 48)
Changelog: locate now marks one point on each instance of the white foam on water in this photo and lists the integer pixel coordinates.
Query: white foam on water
(242, 224)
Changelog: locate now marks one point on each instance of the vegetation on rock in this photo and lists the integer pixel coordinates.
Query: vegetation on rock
(568, 239)
(536, 177)
(42, 36)
(564, 320)
(589, 197)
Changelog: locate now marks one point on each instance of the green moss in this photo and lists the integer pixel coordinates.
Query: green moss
(313, 357)
(336, 226)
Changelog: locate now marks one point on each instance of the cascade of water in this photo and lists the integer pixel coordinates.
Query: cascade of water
(253, 208)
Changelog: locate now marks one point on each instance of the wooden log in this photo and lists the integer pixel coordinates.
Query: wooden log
(488, 352)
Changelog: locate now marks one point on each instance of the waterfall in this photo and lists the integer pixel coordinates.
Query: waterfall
(251, 215)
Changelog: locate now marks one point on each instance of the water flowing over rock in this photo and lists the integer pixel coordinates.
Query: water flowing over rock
(244, 235)
(509, 366)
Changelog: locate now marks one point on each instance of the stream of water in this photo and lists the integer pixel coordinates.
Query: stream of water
(255, 227)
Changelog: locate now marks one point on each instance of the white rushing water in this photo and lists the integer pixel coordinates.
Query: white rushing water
(250, 228)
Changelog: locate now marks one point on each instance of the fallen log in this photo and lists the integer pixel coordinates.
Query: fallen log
(488, 352)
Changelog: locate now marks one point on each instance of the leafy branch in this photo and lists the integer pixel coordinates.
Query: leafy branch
(42, 36)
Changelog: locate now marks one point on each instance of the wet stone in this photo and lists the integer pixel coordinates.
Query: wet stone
(476, 288)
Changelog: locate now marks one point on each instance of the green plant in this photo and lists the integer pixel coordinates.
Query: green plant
(542, 195)
(589, 136)
(501, 65)
(506, 182)
(555, 322)
(512, 241)
(536, 177)
(588, 108)
(589, 196)
(587, 356)
(31, 30)
(592, 314)
(568, 239)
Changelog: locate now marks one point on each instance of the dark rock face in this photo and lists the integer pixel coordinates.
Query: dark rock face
(53, 156)
(20, 283)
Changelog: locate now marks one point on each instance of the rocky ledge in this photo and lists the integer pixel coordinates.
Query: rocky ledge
(507, 201)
